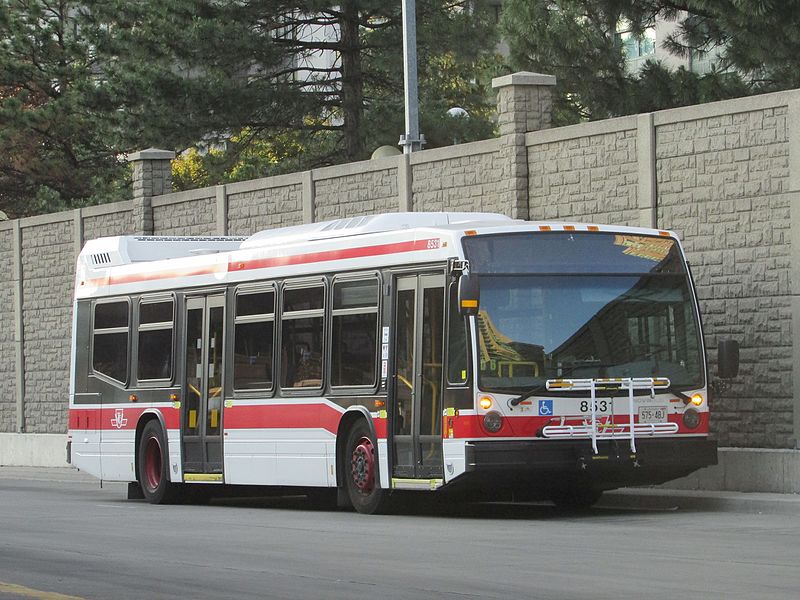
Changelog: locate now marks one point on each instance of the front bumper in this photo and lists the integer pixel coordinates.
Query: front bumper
(544, 464)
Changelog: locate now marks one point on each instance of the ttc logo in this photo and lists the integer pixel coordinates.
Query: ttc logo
(119, 421)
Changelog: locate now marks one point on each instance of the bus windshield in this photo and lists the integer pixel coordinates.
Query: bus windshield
(588, 305)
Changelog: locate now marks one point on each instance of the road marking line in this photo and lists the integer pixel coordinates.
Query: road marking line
(19, 590)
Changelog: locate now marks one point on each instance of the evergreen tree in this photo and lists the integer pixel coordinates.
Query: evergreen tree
(576, 41)
(345, 60)
(53, 143)
(82, 83)
(756, 41)
(760, 39)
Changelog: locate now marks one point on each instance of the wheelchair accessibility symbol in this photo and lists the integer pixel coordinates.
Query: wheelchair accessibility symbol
(545, 408)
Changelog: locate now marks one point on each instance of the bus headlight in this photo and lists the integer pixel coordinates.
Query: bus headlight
(691, 418)
(493, 421)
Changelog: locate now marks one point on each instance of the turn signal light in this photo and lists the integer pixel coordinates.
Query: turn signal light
(133, 397)
(485, 402)
(697, 399)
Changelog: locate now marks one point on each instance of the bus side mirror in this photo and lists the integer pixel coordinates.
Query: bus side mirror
(469, 292)
(728, 359)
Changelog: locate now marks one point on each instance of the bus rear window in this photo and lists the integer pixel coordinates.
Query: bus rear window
(572, 252)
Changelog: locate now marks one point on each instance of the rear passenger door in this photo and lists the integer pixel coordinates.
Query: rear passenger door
(202, 406)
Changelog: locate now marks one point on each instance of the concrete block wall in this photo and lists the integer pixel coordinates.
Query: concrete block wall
(105, 220)
(466, 177)
(723, 185)
(185, 213)
(585, 173)
(362, 188)
(725, 176)
(48, 271)
(8, 395)
(38, 255)
(263, 204)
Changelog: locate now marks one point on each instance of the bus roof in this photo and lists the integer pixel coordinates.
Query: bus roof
(149, 263)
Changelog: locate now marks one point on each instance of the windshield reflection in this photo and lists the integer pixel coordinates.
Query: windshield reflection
(537, 327)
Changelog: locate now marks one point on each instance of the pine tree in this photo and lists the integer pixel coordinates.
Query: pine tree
(757, 44)
(82, 83)
(53, 143)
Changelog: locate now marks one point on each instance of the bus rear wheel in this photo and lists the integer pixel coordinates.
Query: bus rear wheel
(153, 460)
(361, 470)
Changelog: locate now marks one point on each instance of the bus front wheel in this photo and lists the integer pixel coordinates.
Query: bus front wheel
(153, 458)
(361, 470)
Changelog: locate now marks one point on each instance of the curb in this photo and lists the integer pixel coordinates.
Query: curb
(742, 502)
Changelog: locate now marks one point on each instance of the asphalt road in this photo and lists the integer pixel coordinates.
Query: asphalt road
(62, 535)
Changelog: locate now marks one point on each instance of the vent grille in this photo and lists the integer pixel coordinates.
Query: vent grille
(350, 223)
(101, 258)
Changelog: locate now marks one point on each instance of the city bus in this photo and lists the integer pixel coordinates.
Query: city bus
(463, 353)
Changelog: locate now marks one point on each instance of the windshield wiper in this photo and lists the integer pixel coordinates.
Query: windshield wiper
(542, 387)
(671, 389)
(527, 394)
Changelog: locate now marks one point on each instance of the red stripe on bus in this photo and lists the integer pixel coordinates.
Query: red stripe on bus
(328, 255)
(278, 261)
(283, 416)
(120, 417)
(471, 426)
(269, 416)
(172, 274)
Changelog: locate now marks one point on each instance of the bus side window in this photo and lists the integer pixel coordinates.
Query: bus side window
(154, 358)
(355, 333)
(110, 339)
(457, 355)
(253, 339)
(302, 328)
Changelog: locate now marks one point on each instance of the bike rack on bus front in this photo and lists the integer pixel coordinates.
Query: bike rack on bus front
(627, 430)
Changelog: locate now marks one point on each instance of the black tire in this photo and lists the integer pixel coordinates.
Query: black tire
(576, 498)
(153, 461)
(360, 468)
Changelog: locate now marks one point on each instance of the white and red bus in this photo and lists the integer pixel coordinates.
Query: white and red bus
(409, 351)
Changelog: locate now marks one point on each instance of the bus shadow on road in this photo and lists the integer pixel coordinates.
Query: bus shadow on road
(418, 505)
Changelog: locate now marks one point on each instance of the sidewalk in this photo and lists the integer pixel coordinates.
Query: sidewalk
(701, 500)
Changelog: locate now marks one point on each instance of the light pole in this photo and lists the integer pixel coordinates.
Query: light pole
(412, 139)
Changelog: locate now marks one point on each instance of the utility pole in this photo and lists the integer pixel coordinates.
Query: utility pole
(412, 140)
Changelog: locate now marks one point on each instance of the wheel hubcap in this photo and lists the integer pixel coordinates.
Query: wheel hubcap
(152, 463)
(362, 465)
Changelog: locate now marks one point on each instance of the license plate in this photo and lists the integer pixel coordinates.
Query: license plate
(652, 414)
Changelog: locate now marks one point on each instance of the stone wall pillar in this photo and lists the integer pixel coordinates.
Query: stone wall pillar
(793, 138)
(152, 176)
(19, 328)
(524, 104)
